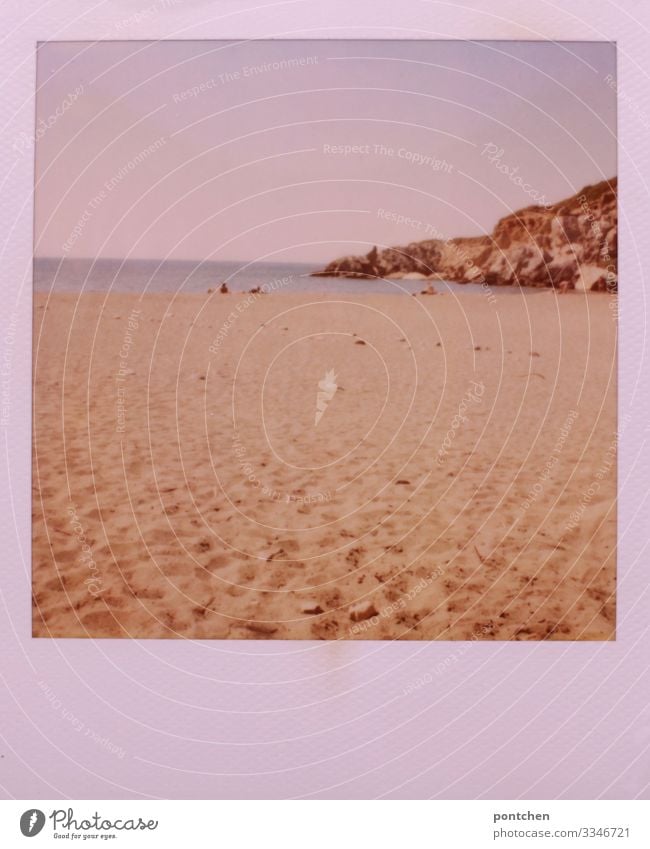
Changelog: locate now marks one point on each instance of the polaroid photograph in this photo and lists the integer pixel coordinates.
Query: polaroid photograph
(325, 340)
(323, 407)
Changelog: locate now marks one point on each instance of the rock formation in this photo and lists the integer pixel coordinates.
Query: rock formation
(571, 244)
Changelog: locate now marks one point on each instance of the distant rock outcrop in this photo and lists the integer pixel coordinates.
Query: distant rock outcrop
(571, 244)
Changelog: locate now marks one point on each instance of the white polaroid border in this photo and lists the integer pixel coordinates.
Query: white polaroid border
(181, 719)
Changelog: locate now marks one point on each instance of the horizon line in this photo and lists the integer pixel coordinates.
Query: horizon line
(171, 259)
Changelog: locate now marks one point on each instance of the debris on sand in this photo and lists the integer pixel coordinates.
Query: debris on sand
(362, 610)
(261, 628)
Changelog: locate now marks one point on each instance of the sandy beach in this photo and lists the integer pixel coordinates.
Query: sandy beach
(459, 484)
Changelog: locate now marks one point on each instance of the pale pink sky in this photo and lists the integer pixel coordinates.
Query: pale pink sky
(239, 170)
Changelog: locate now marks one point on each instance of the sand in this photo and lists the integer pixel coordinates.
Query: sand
(459, 485)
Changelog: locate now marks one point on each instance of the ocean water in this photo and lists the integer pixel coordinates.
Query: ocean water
(139, 276)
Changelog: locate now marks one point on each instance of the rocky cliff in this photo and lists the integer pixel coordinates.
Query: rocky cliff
(572, 243)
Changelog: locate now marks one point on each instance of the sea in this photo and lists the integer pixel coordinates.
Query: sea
(140, 276)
